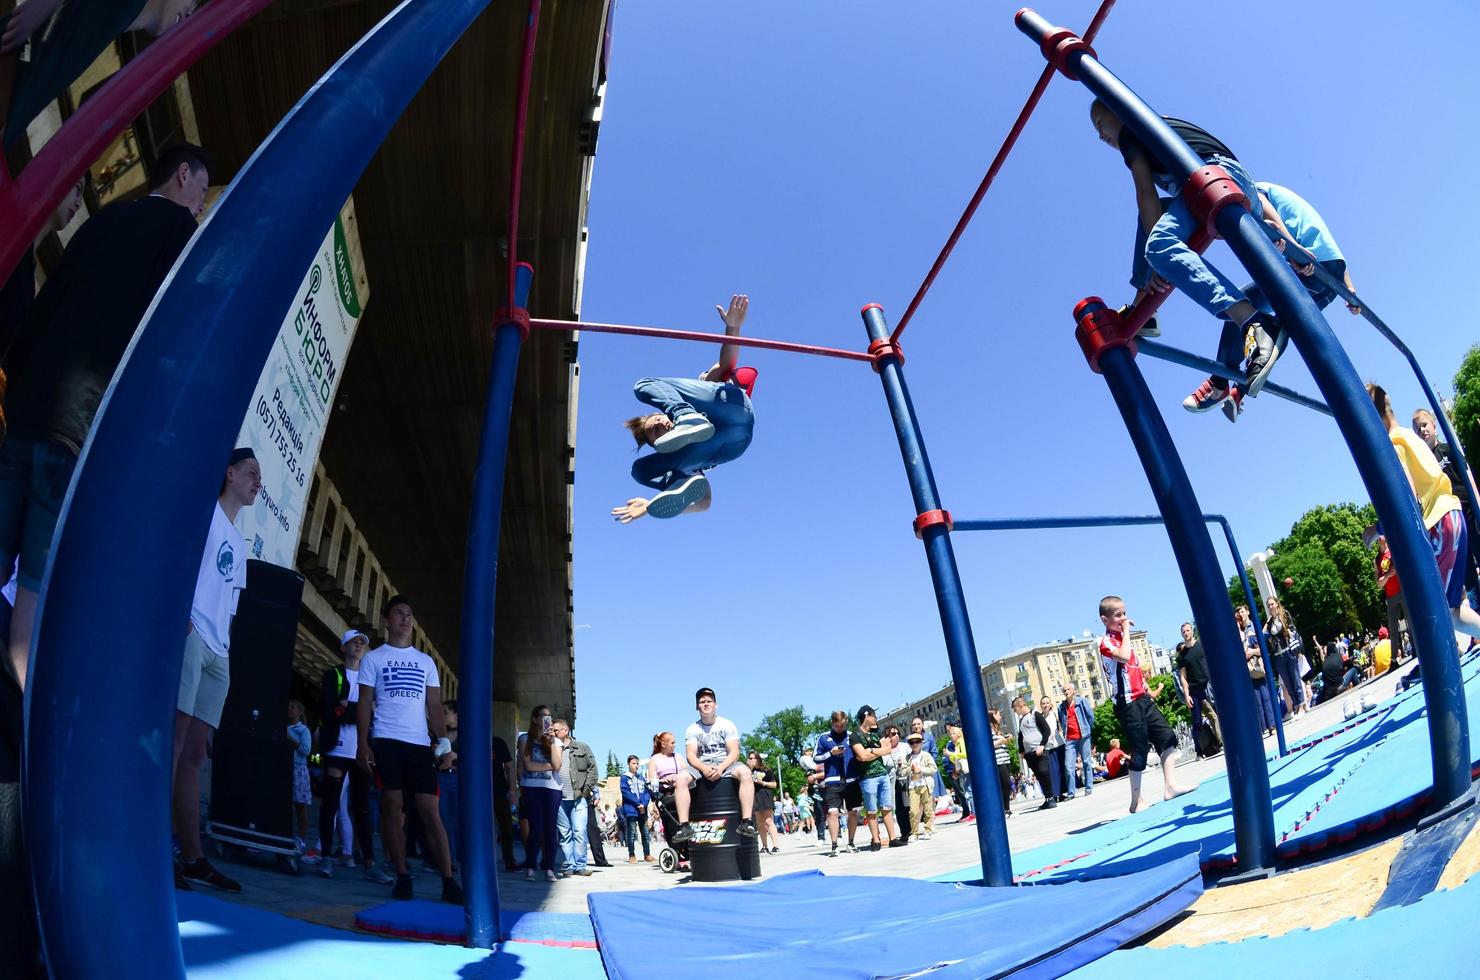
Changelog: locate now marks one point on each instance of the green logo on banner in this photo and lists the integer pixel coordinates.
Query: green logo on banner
(344, 272)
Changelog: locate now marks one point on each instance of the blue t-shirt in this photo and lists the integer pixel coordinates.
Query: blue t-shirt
(835, 766)
(1305, 222)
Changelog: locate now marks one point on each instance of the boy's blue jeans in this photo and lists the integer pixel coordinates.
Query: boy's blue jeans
(724, 404)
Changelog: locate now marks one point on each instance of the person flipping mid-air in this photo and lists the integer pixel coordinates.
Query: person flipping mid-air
(697, 425)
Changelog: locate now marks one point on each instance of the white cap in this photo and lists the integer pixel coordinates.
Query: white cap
(351, 634)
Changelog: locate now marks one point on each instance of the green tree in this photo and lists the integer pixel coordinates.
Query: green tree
(612, 768)
(1465, 415)
(1331, 586)
(1107, 726)
(784, 735)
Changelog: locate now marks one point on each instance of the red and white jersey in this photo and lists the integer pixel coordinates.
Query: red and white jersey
(1122, 678)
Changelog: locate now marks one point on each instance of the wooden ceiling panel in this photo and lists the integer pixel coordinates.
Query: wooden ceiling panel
(433, 214)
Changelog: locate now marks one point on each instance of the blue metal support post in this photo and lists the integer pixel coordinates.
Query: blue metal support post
(1340, 385)
(991, 823)
(1270, 677)
(476, 649)
(96, 803)
(1243, 748)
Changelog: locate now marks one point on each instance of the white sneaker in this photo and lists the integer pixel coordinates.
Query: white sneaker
(689, 428)
(679, 497)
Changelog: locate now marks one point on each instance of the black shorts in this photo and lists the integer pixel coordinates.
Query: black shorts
(832, 797)
(1143, 727)
(401, 767)
(853, 795)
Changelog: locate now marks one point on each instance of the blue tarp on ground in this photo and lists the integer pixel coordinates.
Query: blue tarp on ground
(1433, 937)
(225, 941)
(1350, 778)
(808, 924)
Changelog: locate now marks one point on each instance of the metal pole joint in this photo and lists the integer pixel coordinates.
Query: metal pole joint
(1098, 329)
(513, 316)
(1059, 45)
(931, 518)
(1209, 190)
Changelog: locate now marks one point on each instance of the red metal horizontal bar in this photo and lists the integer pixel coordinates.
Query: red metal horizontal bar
(27, 202)
(707, 338)
(997, 162)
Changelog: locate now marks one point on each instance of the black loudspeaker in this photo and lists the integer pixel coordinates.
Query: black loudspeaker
(251, 757)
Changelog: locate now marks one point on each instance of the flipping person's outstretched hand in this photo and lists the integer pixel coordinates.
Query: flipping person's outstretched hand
(630, 511)
(734, 317)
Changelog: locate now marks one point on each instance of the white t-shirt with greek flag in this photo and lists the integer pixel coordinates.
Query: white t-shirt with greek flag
(400, 676)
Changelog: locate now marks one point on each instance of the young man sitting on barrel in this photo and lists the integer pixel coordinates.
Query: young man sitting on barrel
(712, 748)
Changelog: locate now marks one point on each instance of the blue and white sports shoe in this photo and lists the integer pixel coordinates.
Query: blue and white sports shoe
(678, 498)
(688, 429)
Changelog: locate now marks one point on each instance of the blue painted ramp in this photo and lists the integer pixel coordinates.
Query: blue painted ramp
(225, 941)
(808, 924)
(1434, 937)
(1349, 779)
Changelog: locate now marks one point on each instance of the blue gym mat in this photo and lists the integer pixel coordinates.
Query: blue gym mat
(1349, 779)
(224, 941)
(443, 923)
(1432, 936)
(808, 924)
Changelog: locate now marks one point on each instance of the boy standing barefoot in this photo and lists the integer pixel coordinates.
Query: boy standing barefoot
(1141, 720)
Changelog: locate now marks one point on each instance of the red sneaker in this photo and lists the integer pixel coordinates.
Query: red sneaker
(1207, 396)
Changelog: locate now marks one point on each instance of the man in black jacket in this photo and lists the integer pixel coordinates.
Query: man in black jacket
(80, 324)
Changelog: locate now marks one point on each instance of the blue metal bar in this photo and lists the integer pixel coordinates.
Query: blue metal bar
(1243, 749)
(1334, 374)
(476, 649)
(1457, 453)
(1164, 352)
(1388, 488)
(991, 822)
(1257, 620)
(131, 532)
(1139, 520)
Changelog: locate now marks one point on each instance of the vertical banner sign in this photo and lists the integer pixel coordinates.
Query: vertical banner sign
(294, 398)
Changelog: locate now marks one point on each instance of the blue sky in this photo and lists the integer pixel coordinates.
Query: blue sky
(815, 156)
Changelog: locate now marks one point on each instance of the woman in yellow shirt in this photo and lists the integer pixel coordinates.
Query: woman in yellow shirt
(1442, 516)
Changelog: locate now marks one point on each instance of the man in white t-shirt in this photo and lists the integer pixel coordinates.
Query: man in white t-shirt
(400, 702)
(204, 673)
(712, 749)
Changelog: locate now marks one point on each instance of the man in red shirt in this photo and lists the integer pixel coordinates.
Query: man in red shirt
(1140, 719)
(1076, 718)
(1114, 760)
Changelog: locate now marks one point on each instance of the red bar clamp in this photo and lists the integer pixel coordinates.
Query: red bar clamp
(1059, 45)
(1209, 190)
(518, 316)
(931, 518)
(1099, 328)
(882, 348)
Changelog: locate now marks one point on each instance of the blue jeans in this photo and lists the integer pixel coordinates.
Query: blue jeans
(878, 793)
(631, 825)
(447, 805)
(1081, 751)
(571, 822)
(1265, 704)
(724, 404)
(963, 779)
(1164, 250)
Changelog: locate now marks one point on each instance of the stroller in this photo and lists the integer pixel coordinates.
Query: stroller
(673, 857)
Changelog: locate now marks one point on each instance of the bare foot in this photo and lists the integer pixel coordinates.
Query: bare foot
(1172, 792)
(1138, 804)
